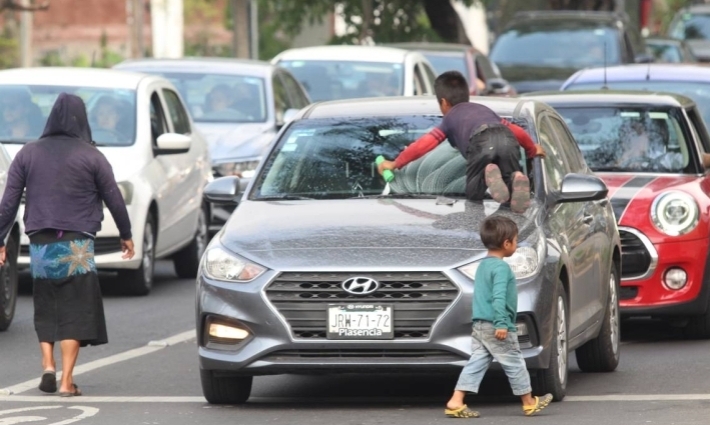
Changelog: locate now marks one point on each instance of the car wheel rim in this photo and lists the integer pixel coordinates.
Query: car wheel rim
(148, 253)
(201, 237)
(613, 314)
(561, 340)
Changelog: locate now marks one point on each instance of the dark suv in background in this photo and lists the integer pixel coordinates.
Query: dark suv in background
(571, 40)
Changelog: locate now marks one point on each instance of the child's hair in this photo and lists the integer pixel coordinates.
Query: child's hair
(496, 229)
(452, 86)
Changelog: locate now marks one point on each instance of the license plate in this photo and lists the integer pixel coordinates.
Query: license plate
(360, 321)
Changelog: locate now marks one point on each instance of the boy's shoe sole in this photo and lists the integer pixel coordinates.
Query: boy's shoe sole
(520, 199)
(496, 185)
(540, 403)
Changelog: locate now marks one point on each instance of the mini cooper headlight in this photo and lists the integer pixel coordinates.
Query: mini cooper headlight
(675, 213)
(222, 265)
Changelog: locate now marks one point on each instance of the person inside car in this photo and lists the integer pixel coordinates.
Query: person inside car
(21, 118)
(219, 99)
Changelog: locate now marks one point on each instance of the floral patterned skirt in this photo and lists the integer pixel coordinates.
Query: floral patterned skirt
(67, 296)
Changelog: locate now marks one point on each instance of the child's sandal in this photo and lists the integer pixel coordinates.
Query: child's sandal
(540, 403)
(462, 412)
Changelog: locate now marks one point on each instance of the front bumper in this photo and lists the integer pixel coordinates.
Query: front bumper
(274, 348)
(646, 294)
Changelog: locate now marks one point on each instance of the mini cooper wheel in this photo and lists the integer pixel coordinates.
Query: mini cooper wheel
(601, 354)
(9, 283)
(553, 380)
(225, 389)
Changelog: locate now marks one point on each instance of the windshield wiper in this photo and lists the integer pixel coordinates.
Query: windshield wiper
(611, 169)
(284, 198)
(398, 196)
(13, 142)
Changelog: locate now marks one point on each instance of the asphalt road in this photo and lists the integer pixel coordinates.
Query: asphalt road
(148, 374)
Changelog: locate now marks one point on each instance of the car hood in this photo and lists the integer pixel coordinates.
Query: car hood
(363, 233)
(631, 195)
(236, 141)
(700, 48)
(124, 160)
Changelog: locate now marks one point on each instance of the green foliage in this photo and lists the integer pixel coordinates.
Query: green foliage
(52, 58)
(107, 57)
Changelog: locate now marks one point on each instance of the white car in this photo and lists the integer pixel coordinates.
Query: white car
(345, 72)
(8, 272)
(161, 164)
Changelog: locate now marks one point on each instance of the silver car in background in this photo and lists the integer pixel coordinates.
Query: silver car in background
(323, 268)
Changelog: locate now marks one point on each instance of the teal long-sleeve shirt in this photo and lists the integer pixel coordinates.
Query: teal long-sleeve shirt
(495, 294)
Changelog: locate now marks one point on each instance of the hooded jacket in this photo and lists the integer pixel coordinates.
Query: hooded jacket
(65, 176)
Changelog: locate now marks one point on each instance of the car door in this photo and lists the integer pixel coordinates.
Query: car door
(188, 183)
(282, 102)
(594, 258)
(563, 220)
(298, 96)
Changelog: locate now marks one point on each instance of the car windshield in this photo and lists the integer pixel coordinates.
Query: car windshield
(691, 27)
(663, 52)
(448, 62)
(332, 80)
(334, 158)
(25, 109)
(561, 43)
(630, 139)
(222, 98)
(697, 90)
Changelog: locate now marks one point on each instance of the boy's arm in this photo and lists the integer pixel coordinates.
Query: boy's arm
(415, 150)
(531, 149)
(500, 290)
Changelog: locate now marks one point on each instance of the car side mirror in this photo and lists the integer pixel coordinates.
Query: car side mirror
(172, 143)
(644, 58)
(224, 190)
(497, 86)
(582, 187)
(288, 116)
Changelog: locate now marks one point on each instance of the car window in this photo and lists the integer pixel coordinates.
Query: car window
(24, 110)
(178, 116)
(700, 129)
(329, 80)
(554, 162)
(572, 155)
(298, 98)
(417, 82)
(448, 61)
(484, 68)
(430, 75)
(220, 97)
(691, 27)
(631, 138)
(158, 125)
(281, 101)
(667, 53)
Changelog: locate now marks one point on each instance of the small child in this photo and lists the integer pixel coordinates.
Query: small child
(495, 306)
(486, 141)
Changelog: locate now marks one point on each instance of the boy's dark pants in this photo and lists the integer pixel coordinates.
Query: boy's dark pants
(490, 144)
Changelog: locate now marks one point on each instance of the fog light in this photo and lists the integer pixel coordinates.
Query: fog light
(227, 332)
(675, 278)
(522, 328)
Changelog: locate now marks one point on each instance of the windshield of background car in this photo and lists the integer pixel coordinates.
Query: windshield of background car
(25, 109)
(448, 62)
(691, 27)
(333, 80)
(557, 44)
(631, 139)
(667, 53)
(696, 90)
(222, 98)
(335, 158)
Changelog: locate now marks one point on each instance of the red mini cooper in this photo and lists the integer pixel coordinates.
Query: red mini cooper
(650, 149)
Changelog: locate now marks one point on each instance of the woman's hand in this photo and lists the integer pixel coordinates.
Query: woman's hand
(3, 256)
(127, 249)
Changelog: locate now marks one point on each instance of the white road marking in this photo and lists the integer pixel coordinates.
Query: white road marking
(151, 347)
(86, 412)
(311, 400)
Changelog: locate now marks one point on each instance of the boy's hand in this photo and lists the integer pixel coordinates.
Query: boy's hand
(539, 151)
(501, 334)
(386, 165)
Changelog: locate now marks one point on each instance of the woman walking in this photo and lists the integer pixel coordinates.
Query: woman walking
(66, 180)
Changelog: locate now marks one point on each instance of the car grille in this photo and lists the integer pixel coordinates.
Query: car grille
(101, 246)
(635, 258)
(353, 354)
(417, 298)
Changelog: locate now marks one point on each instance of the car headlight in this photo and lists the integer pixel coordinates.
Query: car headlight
(126, 189)
(242, 169)
(222, 265)
(525, 262)
(675, 213)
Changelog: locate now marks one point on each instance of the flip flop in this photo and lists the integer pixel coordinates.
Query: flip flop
(540, 403)
(496, 185)
(48, 384)
(75, 393)
(520, 199)
(462, 412)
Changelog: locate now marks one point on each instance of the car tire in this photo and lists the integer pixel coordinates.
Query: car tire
(601, 354)
(698, 327)
(187, 260)
(553, 380)
(225, 389)
(9, 283)
(140, 281)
